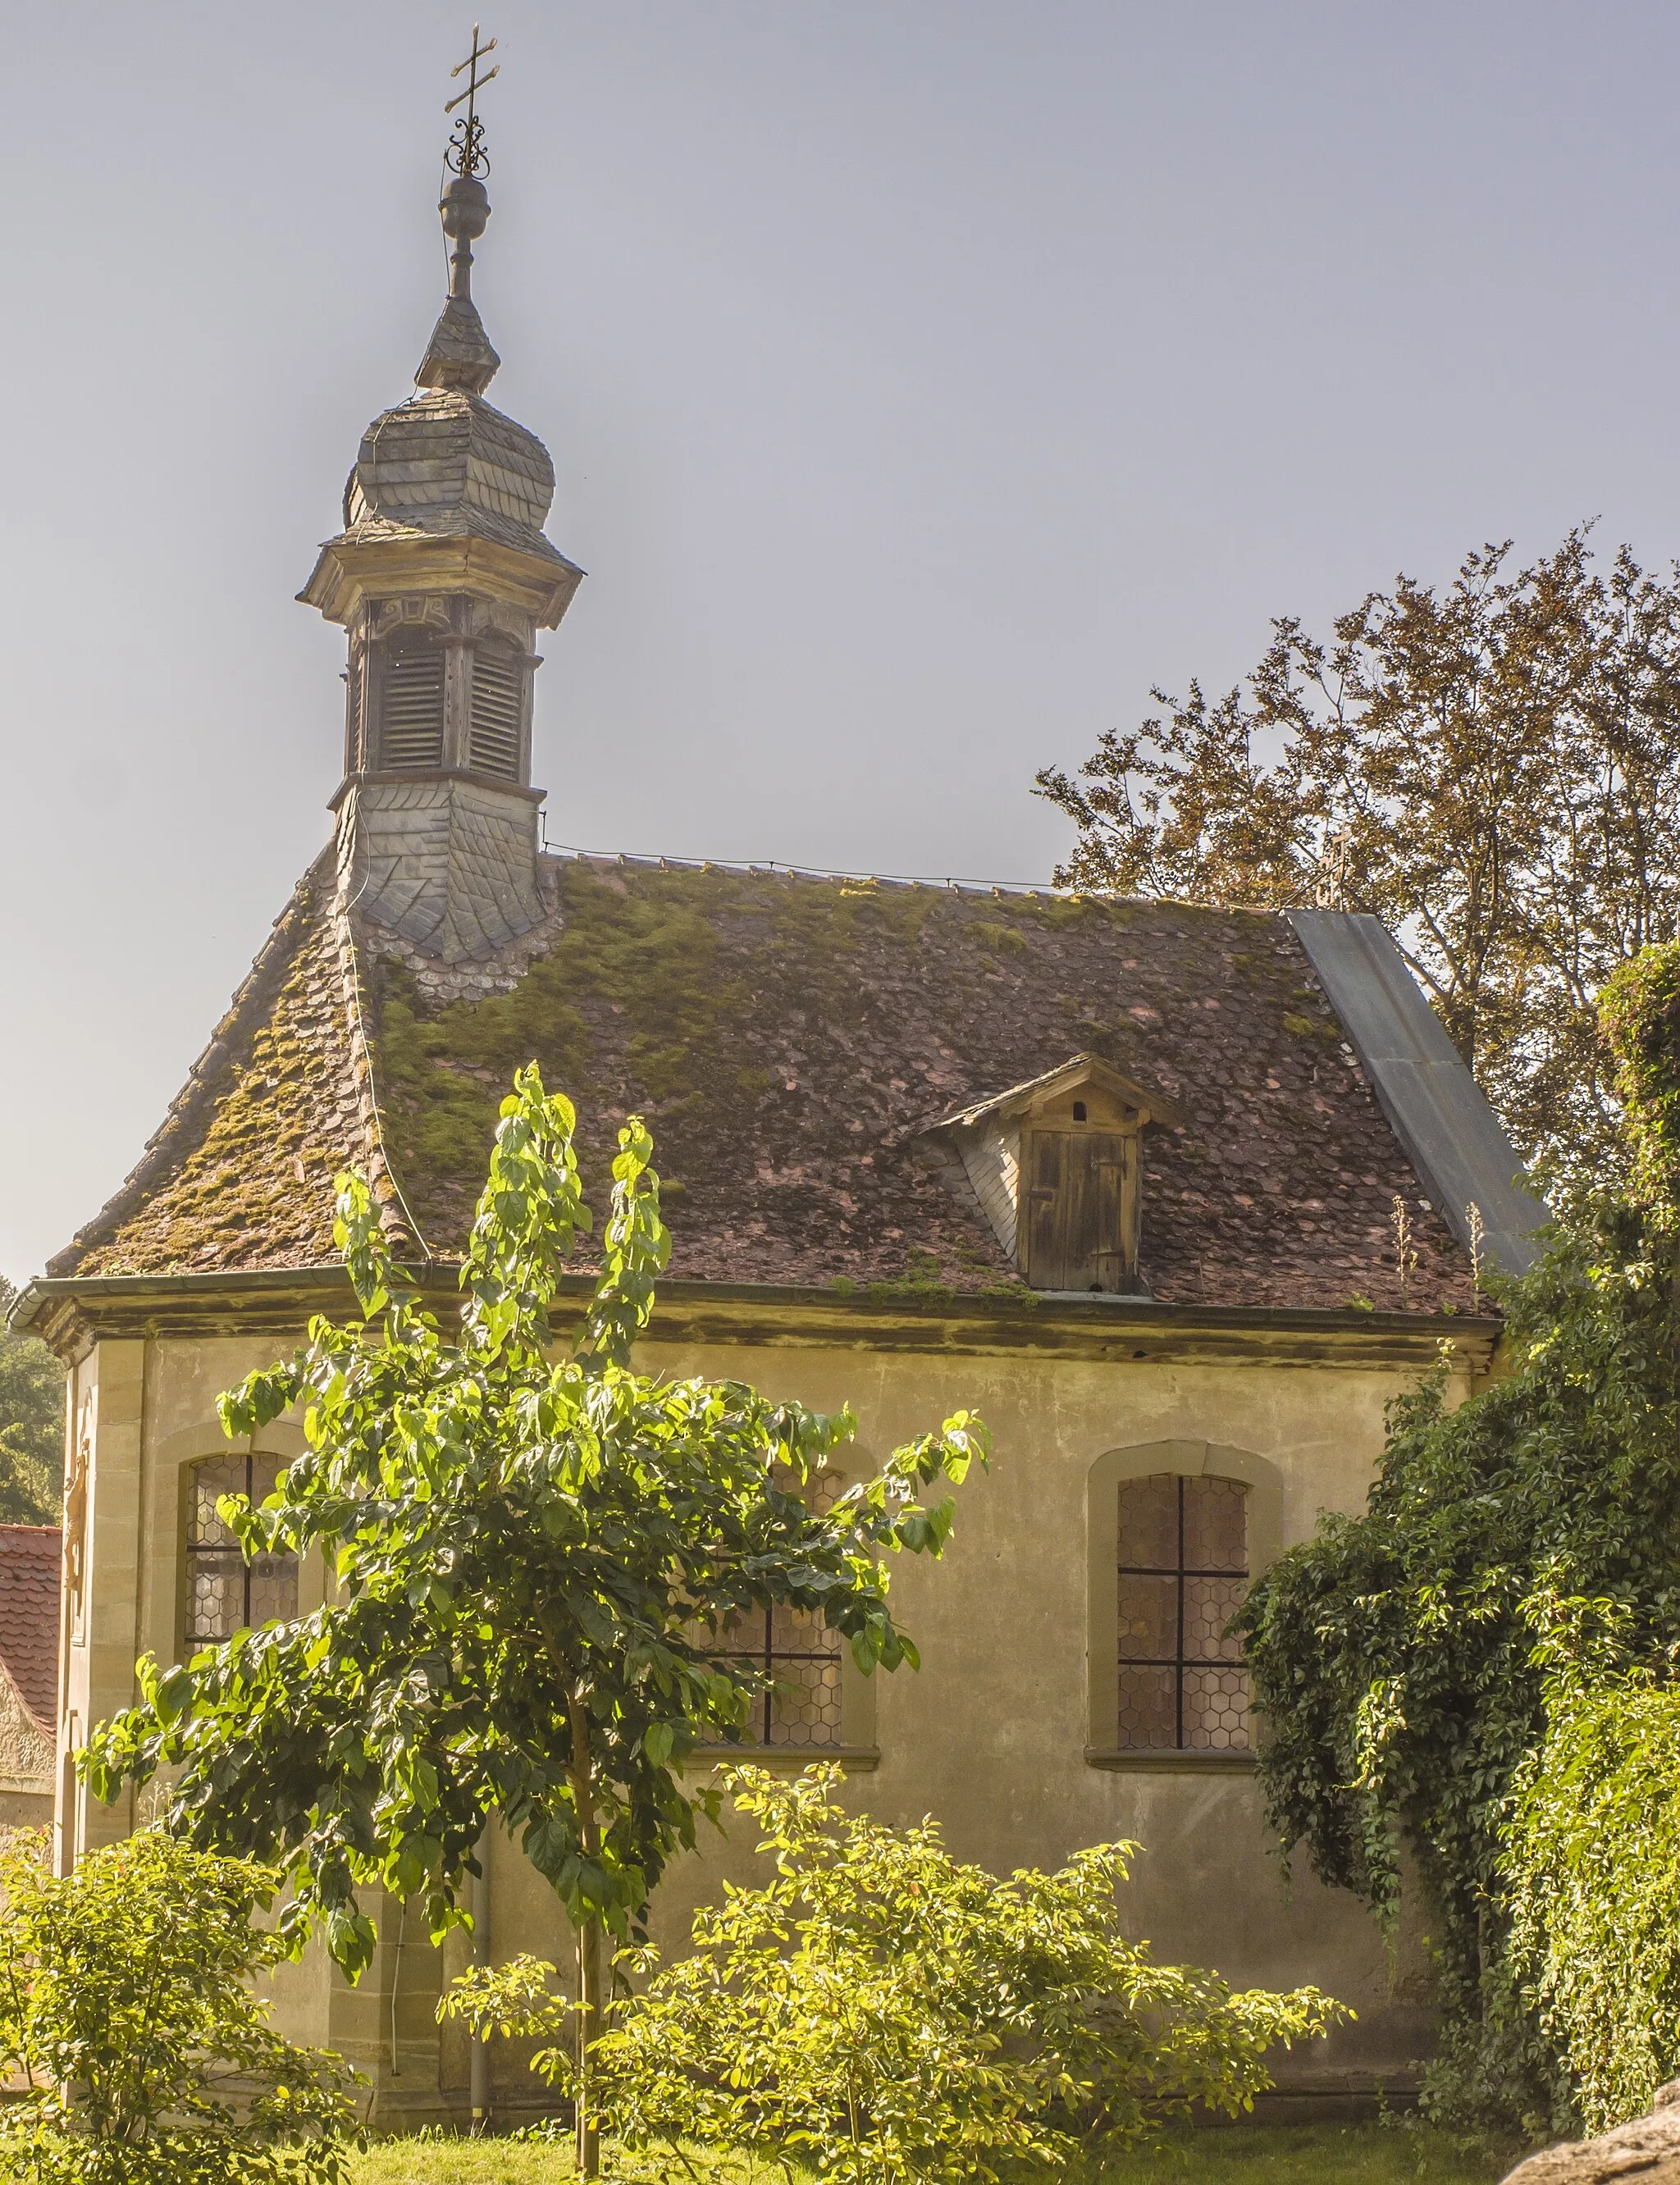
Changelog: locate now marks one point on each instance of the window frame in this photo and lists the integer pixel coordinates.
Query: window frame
(1190, 1460)
(1180, 1570)
(190, 1556)
(767, 1657)
(856, 1745)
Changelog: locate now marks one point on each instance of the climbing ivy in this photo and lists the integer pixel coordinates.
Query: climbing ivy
(1592, 1865)
(1394, 1654)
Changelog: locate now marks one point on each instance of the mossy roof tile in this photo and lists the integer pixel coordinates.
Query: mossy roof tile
(790, 1038)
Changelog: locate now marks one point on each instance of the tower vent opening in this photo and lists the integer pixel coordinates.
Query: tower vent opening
(412, 723)
(497, 695)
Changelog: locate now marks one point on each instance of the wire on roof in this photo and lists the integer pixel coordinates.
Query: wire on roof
(805, 872)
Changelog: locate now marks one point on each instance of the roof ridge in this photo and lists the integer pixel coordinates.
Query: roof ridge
(957, 883)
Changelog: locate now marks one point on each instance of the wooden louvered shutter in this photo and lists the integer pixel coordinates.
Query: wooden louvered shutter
(497, 678)
(412, 716)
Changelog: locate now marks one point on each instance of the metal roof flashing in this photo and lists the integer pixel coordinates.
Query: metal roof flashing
(1437, 1110)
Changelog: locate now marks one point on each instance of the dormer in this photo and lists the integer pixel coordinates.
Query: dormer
(1056, 1165)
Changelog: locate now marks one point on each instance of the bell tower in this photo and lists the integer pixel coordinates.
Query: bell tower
(441, 578)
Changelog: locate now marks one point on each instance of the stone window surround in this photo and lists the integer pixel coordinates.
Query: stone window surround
(1191, 1460)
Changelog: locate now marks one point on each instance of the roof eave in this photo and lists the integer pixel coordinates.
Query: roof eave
(72, 1311)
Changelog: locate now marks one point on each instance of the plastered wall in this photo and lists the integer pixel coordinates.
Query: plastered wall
(990, 1737)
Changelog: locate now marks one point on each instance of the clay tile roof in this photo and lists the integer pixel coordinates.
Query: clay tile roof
(791, 1039)
(29, 1557)
(239, 1174)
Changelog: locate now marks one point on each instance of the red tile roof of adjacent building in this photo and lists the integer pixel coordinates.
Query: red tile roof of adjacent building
(791, 1039)
(30, 1558)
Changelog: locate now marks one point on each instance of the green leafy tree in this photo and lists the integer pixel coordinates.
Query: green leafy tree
(127, 2014)
(31, 1424)
(538, 1562)
(1491, 767)
(887, 2014)
(1395, 1654)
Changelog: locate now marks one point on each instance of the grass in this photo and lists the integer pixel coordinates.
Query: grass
(1245, 2154)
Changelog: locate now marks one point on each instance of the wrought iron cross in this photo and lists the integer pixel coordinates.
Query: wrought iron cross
(465, 153)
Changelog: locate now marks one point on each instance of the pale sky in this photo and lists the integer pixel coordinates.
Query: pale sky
(925, 379)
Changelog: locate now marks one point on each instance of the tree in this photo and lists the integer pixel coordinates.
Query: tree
(31, 1425)
(128, 2018)
(537, 1565)
(1493, 769)
(885, 2014)
(1397, 1656)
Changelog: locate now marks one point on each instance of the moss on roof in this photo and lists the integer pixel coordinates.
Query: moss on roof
(791, 1038)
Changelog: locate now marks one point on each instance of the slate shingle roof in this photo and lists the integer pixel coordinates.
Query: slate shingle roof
(790, 1039)
(29, 1615)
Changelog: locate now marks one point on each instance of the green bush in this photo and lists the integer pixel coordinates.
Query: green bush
(887, 2014)
(126, 2005)
(1394, 1654)
(1591, 1870)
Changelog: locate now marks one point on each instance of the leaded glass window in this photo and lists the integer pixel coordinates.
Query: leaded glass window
(224, 1594)
(1184, 1573)
(799, 1654)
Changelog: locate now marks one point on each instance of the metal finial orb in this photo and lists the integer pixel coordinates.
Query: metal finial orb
(465, 207)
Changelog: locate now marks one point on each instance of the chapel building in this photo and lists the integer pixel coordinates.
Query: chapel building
(1178, 1197)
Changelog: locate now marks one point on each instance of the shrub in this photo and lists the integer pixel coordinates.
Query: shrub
(887, 2013)
(125, 2004)
(1591, 1869)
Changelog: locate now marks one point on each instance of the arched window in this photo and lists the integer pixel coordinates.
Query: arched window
(1183, 1573)
(801, 1656)
(1176, 1532)
(224, 1594)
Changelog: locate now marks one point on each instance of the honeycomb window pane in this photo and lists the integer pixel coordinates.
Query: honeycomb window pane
(215, 1609)
(1149, 1522)
(223, 1595)
(1216, 1525)
(1149, 1618)
(800, 1631)
(1149, 1710)
(1210, 1603)
(795, 1649)
(222, 1475)
(805, 1705)
(273, 1589)
(1216, 1710)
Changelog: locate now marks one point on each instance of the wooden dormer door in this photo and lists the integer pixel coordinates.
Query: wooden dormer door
(1081, 1226)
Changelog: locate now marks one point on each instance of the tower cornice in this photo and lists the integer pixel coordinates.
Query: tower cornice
(350, 571)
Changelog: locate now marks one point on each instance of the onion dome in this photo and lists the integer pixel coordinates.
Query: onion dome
(448, 464)
(446, 489)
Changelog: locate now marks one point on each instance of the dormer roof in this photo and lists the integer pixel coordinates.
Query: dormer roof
(1034, 1093)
